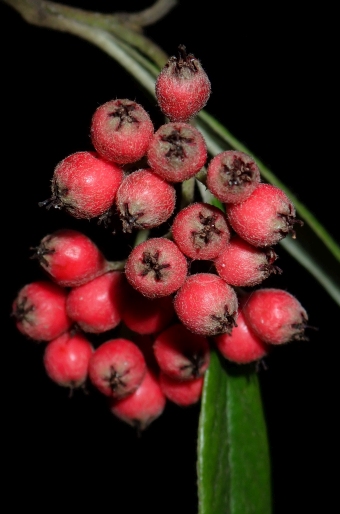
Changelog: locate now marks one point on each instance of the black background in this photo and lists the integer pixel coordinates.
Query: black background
(273, 87)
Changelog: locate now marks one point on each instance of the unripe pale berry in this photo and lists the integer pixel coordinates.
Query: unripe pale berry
(181, 354)
(243, 265)
(40, 311)
(85, 185)
(177, 151)
(156, 267)
(143, 406)
(181, 392)
(70, 257)
(144, 200)
(275, 316)
(121, 131)
(200, 231)
(265, 217)
(95, 306)
(232, 176)
(182, 87)
(242, 346)
(66, 359)
(117, 367)
(206, 304)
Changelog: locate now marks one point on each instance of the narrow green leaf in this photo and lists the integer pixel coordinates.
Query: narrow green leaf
(233, 456)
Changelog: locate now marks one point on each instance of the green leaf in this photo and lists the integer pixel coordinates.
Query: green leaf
(233, 455)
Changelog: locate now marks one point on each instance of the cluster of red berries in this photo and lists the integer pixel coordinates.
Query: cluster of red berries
(177, 293)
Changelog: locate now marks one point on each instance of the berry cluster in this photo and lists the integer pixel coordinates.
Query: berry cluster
(188, 283)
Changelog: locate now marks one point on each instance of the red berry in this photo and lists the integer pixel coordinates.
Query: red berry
(275, 316)
(143, 406)
(232, 176)
(156, 267)
(243, 265)
(85, 185)
(177, 152)
(242, 345)
(144, 200)
(200, 231)
(181, 354)
(117, 367)
(206, 305)
(70, 258)
(182, 87)
(121, 131)
(40, 311)
(66, 360)
(265, 217)
(181, 392)
(95, 306)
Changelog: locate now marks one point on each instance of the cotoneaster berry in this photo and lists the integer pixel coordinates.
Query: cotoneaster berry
(265, 217)
(70, 257)
(156, 267)
(181, 392)
(182, 87)
(177, 151)
(275, 316)
(206, 304)
(85, 185)
(200, 231)
(121, 131)
(40, 310)
(232, 176)
(144, 200)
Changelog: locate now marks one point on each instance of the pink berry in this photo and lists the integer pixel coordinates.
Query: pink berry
(85, 185)
(200, 231)
(40, 311)
(242, 346)
(95, 306)
(117, 367)
(177, 151)
(143, 406)
(181, 392)
(182, 87)
(156, 267)
(206, 305)
(232, 176)
(265, 217)
(144, 200)
(275, 316)
(243, 265)
(121, 131)
(70, 258)
(181, 354)
(66, 360)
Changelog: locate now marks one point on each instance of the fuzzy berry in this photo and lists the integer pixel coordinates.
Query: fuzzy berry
(117, 367)
(181, 392)
(156, 267)
(181, 354)
(275, 316)
(85, 185)
(242, 346)
(144, 200)
(95, 306)
(121, 131)
(265, 217)
(206, 305)
(66, 360)
(40, 311)
(143, 406)
(177, 151)
(243, 265)
(232, 176)
(70, 257)
(200, 231)
(182, 87)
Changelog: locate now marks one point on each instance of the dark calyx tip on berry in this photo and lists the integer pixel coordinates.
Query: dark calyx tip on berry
(203, 236)
(40, 252)
(184, 60)
(225, 323)
(177, 142)
(290, 221)
(123, 111)
(114, 380)
(269, 267)
(130, 221)
(238, 172)
(22, 309)
(151, 264)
